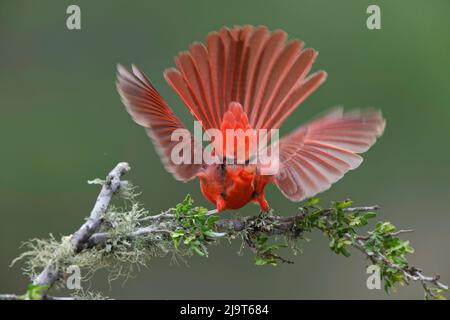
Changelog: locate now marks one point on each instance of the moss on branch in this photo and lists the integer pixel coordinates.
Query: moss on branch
(127, 237)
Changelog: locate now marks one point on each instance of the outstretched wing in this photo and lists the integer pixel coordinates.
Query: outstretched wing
(148, 109)
(318, 154)
(249, 65)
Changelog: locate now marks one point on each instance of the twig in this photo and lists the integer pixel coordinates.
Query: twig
(9, 297)
(392, 234)
(158, 217)
(361, 209)
(410, 273)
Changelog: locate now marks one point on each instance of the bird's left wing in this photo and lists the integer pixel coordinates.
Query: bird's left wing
(148, 109)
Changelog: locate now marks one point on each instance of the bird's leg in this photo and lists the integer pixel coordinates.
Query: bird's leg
(260, 199)
(220, 203)
(263, 203)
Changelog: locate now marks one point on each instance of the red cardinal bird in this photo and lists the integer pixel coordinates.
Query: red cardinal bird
(249, 77)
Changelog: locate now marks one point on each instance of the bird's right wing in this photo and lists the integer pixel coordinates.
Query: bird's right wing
(318, 154)
(148, 109)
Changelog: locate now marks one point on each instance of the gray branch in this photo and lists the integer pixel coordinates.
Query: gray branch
(88, 235)
(79, 239)
(110, 187)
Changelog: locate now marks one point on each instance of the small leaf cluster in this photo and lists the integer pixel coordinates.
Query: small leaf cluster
(342, 231)
(265, 254)
(339, 226)
(435, 294)
(383, 242)
(312, 216)
(34, 292)
(382, 245)
(195, 228)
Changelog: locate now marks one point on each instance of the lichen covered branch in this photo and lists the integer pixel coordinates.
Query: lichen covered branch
(121, 238)
(111, 185)
(79, 239)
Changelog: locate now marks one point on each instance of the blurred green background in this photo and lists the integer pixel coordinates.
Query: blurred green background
(62, 123)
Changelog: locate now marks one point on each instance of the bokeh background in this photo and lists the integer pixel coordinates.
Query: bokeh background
(62, 123)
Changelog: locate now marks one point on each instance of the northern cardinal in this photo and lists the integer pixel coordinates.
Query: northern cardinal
(249, 77)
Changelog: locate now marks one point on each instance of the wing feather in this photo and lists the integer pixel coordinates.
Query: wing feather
(249, 65)
(318, 154)
(148, 109)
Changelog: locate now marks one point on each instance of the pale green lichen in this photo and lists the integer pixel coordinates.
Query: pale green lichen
(89, 295)
(121, 254)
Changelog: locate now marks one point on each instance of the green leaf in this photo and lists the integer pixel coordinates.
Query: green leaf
(332, 243)
(212, 234)
(176, 243)
(345, 252)
(189, 239)
(35, 291)
(211, 221)
(262, 240)
(177, 234)
(370, 215)
(261, 261)
(198, 251)
(313, 201)
(343, 204)
(384, 227)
